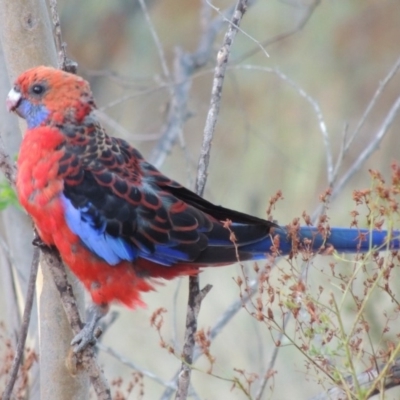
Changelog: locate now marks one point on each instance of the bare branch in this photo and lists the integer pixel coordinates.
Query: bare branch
(122, 359)
(157, 42)
(216, 94)
(382, 86)
(249, 4)
(225, 318)
(302, 23)
(177, 112)
(272, 360)
(314, 104)
(369, 149)
(195, 298)
(185, 66)
(195, 295)
(367, 381)
(24, 327)
(86, 359)
(64, 62)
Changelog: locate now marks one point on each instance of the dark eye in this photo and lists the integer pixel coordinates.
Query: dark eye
(38, 89)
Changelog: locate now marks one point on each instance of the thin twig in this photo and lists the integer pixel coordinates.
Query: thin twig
(157, 43)
(249, 3)
(348, 141)
(216, 94)
(64, 62)
(369, 149)
(195, 295)
(30, 295)
(225, 318)
(373, 145)
(367, 381)
(122, 359)
(272, 359)
(177, 111)
(229, 313)
(302, 23)
(314, 104)
(185, 66)
(175, 313)
(382, 85)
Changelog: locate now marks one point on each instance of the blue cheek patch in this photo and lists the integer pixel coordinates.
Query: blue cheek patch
(109, 248)
(35, 115)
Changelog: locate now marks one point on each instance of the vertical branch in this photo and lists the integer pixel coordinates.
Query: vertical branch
(185, 65)
(216, 94)
(195, 294)
(25, 325)
(64, 62)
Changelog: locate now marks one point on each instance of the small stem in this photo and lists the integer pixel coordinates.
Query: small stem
(24, 327)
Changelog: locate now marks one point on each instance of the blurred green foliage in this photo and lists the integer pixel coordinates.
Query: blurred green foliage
(8, 197)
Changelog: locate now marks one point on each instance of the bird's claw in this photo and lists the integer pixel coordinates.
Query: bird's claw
(38, 242)
(90, 332)
(86, 337)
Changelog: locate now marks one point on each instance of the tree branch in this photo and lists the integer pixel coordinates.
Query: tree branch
(64, 62)
(277, 38)
(185, 65)
(24, 327)
(85, 359)
(367, 381)
(366, 153)
(195, 294)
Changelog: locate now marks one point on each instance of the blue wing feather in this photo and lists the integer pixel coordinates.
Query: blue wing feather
(111, 249)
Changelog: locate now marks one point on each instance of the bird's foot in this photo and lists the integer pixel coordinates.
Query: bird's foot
(90, 332)
(38, 242)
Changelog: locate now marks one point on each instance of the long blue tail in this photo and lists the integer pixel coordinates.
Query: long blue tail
(341, 239)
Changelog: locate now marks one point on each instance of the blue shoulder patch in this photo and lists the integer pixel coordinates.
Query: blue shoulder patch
(109, 248)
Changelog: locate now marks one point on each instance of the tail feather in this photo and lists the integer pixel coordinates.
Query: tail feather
(343, 240)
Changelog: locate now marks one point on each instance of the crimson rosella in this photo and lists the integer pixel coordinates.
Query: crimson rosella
(115, 219)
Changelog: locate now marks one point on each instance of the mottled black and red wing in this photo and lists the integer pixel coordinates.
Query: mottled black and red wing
(123, 208)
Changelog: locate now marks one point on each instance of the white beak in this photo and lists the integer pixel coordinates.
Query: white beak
(13, 98)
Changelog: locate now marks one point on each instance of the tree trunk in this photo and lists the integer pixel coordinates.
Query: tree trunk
(27, 41)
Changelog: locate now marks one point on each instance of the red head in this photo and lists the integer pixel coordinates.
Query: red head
(47, 96)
